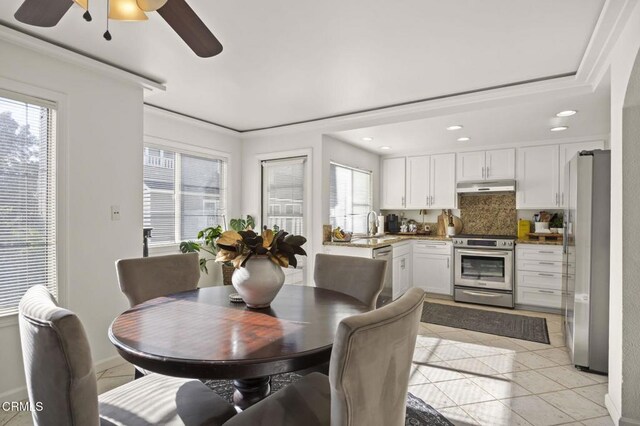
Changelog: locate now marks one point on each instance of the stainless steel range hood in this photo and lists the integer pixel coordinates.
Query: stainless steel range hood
(486, 186)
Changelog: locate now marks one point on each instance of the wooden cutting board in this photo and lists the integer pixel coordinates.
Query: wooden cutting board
(443, 220)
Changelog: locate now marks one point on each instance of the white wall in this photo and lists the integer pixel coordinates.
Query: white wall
(624, 318)
(165, 128)
(101, 156)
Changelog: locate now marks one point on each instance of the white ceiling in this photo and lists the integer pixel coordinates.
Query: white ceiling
(506, 125)
(286, 61)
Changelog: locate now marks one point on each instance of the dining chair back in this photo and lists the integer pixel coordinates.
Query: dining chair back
(59, 371)
(359, 277)
(146, 278)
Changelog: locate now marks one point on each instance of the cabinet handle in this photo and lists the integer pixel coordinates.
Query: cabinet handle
(447, 263)
(546, 275)
(546, 251)
(562, 198)
(403, 201)
(546, 291)
(546, 263)
(431, 198)
(487, 172)
(557, 199)
(483, 173)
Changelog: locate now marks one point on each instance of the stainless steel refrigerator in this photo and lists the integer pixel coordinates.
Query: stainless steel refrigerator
(585, 301)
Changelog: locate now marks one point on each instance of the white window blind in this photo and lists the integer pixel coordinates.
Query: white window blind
(350, 198)
(27, 199)
(283, 189)
(183, 193)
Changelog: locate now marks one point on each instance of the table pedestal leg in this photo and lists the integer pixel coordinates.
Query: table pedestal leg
(250, 391)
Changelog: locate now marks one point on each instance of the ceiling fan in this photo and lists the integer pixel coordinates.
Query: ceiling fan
(177, 13)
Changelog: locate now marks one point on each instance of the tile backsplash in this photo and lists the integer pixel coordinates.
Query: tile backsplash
(489, 214)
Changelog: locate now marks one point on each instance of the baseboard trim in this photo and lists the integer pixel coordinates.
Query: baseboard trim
(625, 421)
(611, 407)
(20, 393)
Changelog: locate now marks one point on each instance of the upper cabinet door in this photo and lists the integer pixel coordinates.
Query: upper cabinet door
(417, 182)
(567, 151)
(500, 164)
(538, 177)
(443, 182)
(393, 184)
(471, 166)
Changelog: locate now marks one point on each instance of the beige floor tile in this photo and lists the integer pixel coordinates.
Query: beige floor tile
(458, 416)
(472, 367)
(119, 371)
(567, 376)
(458, 336)
(533, 346)
(537, 411)
(424, 355)
(482, 337)
(439, 328)
(556, 339)
(416, 377)
(464, 391)
(503, 363)
(478, 349)
(594, 393)
(574, 405)
(494, 413)
(533, 381)
(439, 372)
(533, 360)
(600, 421)
(433, 396)
(509, 345)
(500, 388)
(595, 377)
(554, 326)
(5, 416)
(108, 383)
(429, 341)
(558, 355)
(23, 418)
(450, 352)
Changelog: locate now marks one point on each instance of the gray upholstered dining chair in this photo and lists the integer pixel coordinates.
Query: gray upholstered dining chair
(368, 375)
(359, 277)
(145, 278)
(60, 375)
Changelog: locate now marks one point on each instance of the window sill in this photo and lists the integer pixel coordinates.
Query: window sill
(159, 250)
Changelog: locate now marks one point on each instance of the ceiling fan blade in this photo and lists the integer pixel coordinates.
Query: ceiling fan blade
(190, 28)
(42, 13)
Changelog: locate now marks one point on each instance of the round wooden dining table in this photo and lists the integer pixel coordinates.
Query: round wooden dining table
(201, 334)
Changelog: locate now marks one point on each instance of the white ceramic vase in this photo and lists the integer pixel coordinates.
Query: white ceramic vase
(258, 282)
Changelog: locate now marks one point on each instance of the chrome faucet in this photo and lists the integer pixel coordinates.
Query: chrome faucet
(372, 227)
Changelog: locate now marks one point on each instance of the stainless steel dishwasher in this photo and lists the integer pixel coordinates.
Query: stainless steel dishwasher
(385, 253)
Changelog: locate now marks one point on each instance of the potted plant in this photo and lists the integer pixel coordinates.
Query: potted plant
(556, 223)
(207, 236)
(241, 224)
(258, 262)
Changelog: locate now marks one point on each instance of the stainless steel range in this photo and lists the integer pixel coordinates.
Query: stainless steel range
(483, 269)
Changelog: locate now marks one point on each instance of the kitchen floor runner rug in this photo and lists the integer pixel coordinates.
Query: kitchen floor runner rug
(419, 413)
(499, 323)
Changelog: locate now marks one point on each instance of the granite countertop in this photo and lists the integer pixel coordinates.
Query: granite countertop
(384, 241)
(546, 243)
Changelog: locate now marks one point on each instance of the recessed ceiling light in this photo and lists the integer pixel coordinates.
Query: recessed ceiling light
(385, 147)
(464, 139)
(567, 113)
(454, 127)
(559, 128)
(367, 139)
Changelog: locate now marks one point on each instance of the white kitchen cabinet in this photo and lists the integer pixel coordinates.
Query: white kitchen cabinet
(417, 182)
(567, 151)
(393, 183)
(483, 165)
(538, 177)
(539, 275)
(500, 164)
(442, 182)
(432, 267)
(401, 269)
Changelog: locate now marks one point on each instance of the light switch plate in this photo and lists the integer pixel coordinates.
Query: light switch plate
(115, 212)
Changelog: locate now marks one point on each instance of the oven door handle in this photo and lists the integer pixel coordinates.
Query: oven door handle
(484, 252)
(478, 293)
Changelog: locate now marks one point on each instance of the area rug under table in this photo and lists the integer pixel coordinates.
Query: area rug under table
(419, 413)
(499, 323)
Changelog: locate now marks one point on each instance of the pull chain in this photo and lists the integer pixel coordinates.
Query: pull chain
(87, 16)
(107, 34)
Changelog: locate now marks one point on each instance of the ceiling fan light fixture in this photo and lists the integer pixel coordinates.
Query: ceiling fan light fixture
(150, 5)
(126, 10)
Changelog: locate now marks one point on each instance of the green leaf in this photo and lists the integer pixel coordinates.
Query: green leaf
(189, 247)
(295, 240)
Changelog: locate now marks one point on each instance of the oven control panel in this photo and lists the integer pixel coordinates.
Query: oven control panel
(483, 243)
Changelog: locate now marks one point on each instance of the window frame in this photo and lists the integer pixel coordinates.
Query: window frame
(154, 142)
(37, 95)
(357, 169)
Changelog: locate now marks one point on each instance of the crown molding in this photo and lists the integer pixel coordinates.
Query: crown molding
(45, 47)
(187, 119)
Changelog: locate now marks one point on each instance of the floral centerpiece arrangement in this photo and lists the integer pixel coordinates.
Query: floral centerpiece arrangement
(259, 260)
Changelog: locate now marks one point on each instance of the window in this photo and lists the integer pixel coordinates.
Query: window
(283, 190)
(350, 198)
(27, 199)
(183, 193)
